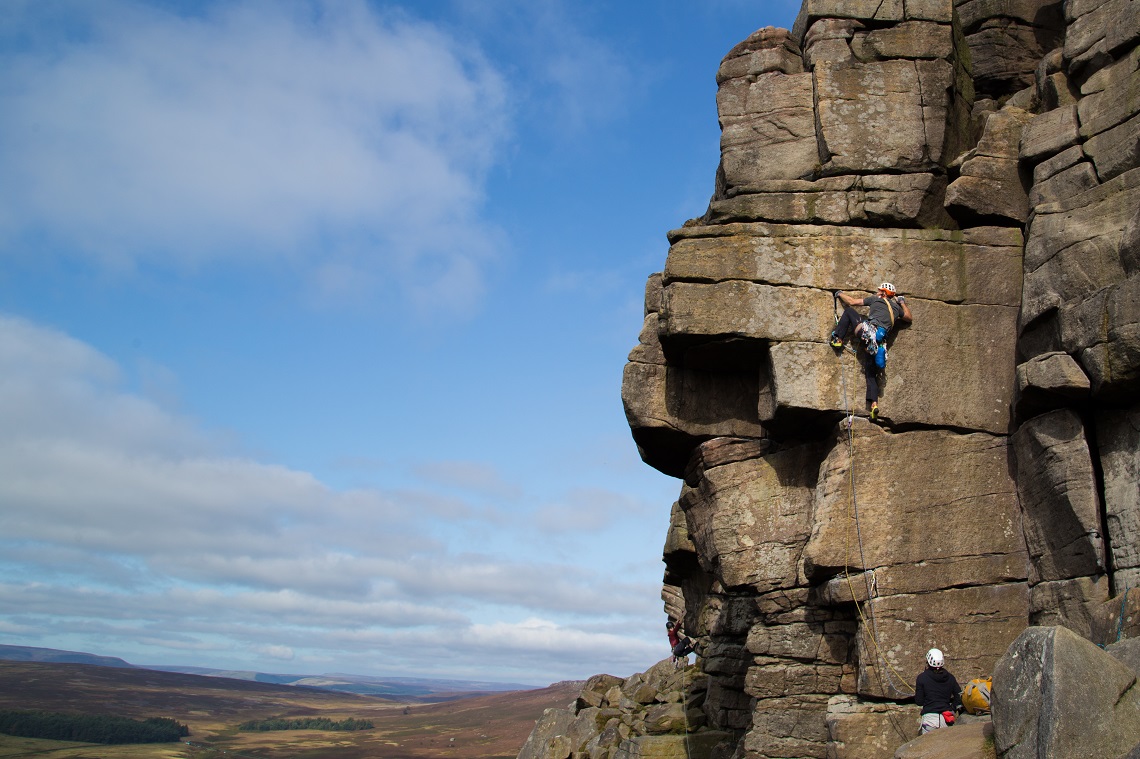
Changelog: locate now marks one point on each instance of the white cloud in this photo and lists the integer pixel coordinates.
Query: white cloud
(284, 653)
(588, 510)
(126, 527)
(325, 135)
(469, 476)
(577, 78)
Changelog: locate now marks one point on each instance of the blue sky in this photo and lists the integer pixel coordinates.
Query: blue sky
(312, 324)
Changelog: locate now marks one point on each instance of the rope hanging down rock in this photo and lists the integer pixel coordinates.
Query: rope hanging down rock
(868, 576)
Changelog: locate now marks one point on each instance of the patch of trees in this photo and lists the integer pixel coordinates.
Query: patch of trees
(90, 728)
(305, 723)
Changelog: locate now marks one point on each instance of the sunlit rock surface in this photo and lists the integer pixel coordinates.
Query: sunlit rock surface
(983, 155)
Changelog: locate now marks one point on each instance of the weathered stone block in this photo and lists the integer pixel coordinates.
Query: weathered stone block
(973, 12)
(665, 718)
(976, 266)
(904, 483)
(1059, 503)
(990, 181)
(883, 115)
(1118, 441)
(888, 199)
(699, 745)
(749, 519)
(1112, 106)
(1051, 686)
(1104, 333)
(773, 678)
(765, 50)
(868, 730)
(548, 740)
(803, 641)
(941, 11)
(1064, 185)
(671, 409)
(1091, 35)
(1053, 373)
(1117, 150)
(1049, 381)
(743, 309)
(793, 726)
(972, 626)
(988, 187)
(910, 39)
(1117, 619)
(1052, 166)
(768, 128)
(1050, 133)
(828, 41)
(925, 576)
(1070, 603)
(1005, 52)
(1094, 218)
(677, 539)
(1106, 76)
(1078, 272)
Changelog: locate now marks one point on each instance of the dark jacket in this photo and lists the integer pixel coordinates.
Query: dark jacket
(936, 691)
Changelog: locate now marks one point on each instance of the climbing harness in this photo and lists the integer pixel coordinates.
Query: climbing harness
(871, 334)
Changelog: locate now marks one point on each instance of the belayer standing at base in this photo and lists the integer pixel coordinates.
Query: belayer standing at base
(937, 693)
(884, 311)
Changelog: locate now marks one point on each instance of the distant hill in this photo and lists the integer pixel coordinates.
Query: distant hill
(404, 689)
(51, 655)
(481, 727)
(413, 689)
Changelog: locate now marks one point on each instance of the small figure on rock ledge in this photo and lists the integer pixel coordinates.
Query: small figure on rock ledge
(883, 312)
(679, 644)
(937, 693)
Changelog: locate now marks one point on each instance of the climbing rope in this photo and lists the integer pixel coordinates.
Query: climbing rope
(868, 576)
(685, 704)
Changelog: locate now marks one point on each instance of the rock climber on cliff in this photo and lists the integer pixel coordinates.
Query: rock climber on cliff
(937, 693)
(884, 310)
(680, 645)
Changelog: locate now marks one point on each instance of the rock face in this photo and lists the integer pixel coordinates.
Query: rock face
(1052, 685)
(652, 715)
(983, 155)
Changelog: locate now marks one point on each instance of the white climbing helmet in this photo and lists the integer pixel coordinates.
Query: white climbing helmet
(934, 658)
(888, 287)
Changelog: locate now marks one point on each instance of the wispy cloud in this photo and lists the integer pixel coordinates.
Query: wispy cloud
(122, 519)
(576, 78)
(346, 142)
(470, 476)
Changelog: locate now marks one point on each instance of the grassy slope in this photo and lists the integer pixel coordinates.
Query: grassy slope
(482, 727)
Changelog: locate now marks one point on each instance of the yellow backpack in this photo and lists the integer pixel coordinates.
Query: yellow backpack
(976, 695)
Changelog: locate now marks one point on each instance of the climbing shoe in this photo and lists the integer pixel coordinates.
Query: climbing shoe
(874, 410)
(834, 341)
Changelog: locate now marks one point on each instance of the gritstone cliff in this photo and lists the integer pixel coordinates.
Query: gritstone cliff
(983, 155)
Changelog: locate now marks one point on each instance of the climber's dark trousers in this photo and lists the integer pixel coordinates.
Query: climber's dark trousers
(872, 379)
(847, 323)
